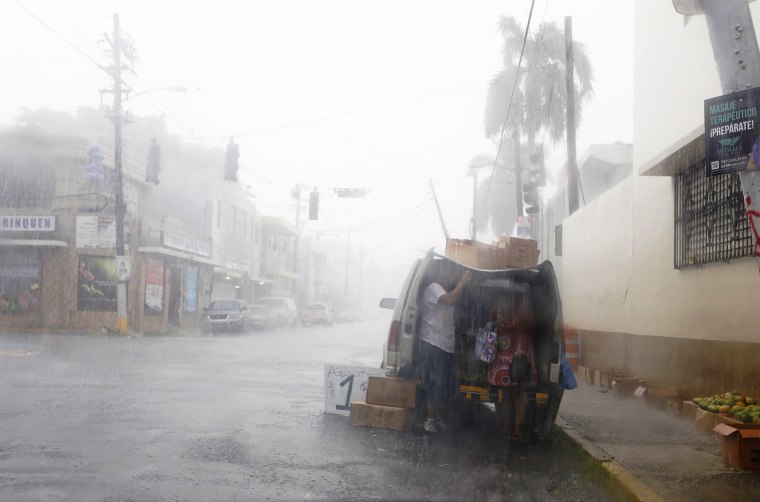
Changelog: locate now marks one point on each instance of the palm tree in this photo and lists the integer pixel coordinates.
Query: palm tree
(538, 95)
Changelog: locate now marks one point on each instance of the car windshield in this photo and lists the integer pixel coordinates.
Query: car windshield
(225, 305)
(203, 205)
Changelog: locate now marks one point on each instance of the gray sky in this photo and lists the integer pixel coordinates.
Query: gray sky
(323, 93)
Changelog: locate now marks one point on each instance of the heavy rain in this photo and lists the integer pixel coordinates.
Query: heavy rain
(408, 251)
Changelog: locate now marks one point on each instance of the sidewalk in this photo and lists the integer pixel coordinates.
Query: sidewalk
(656, 455)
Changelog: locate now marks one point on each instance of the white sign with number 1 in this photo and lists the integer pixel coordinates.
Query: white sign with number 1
(346, 384)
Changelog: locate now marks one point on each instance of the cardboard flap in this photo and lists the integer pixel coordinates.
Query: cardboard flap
(725, 429)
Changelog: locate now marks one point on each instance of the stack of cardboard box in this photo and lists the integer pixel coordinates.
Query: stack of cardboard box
(508, 252)
(520, 253)
(389, 404)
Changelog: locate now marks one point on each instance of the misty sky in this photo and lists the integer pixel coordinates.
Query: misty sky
(322, 93)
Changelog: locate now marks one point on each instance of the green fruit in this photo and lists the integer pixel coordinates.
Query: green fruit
(713, 408)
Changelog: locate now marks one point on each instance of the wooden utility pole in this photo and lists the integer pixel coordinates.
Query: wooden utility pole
(572, 161)
(118, 121)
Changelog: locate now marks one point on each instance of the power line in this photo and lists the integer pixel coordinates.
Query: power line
(344, 113)
(68, 42)
(511, 98)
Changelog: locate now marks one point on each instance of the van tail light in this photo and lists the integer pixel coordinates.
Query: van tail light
(393, 335)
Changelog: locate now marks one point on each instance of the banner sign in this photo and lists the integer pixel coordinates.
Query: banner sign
(96, 232)
(346, 384)
(523, 228)
(123, 268)
(154, 286)
(189, 245)
(731, 129)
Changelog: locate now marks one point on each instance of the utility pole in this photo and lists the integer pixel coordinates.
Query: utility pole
(118, 121)
(348, 263)
(572, 161)
(474, 219)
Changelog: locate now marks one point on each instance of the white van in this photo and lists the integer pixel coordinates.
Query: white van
(487, 291)
(283, 310)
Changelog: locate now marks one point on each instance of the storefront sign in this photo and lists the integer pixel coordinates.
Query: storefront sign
(731, 129)
(189, 245)
(27, 223)
(191, 289)
(96, 232)
(346, 384)
(154, 286)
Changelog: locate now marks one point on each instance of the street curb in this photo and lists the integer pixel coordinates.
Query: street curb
(622, 476)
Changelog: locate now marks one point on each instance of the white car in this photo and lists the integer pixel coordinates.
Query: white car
(317, 313)
(283, 310)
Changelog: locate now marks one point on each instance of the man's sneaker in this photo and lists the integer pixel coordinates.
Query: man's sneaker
(430, 425)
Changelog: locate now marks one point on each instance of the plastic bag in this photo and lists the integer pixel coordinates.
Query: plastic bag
(485, 346)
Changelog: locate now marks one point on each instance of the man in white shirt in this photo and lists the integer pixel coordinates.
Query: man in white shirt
(437, 347)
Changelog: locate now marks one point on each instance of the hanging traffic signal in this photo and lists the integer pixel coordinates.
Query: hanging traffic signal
(153, 171)
(530, 197)
(536, 168)
(231, 164)
(314, 205)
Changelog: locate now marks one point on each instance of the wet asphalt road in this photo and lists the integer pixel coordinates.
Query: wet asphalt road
(108, 418)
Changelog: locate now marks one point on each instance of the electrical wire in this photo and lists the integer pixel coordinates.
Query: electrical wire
(511, 98)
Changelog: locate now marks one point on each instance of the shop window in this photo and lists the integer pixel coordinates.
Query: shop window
(97, 284)
(710, 218)
(20, 280)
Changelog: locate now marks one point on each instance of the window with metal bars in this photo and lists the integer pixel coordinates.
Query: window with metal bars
(710, 219)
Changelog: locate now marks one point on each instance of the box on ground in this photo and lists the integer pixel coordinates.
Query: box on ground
(625, 387)
(385, 417)
(741, 446)
(390, 391)
(706, 420)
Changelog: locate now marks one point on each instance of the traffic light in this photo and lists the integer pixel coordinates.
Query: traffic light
(530, 197)
(314, 205)
(536, 169)
(231, 164)
(153, 171)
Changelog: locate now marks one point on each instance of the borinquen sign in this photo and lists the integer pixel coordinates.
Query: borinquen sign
(731, 128)
(28, 223)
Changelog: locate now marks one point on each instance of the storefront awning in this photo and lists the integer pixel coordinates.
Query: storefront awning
(33, 242)
(283, 273)
(176, 254)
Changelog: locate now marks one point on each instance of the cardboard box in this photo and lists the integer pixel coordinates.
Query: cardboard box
(476, 254)
(741, 446)
(520, 253)
(384, 417)
(390, 391)
(625, 387)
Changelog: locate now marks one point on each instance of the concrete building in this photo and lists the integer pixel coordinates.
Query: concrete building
(657, 273)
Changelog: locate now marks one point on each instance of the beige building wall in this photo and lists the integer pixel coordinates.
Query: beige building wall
(698, 328)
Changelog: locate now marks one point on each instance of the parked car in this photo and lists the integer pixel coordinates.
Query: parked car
(489, 292)
(284, 312)
(347, 316)
(261, 316)
(317, 313)
(227, 316)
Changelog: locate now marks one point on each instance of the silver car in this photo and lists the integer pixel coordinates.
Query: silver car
(227, 316)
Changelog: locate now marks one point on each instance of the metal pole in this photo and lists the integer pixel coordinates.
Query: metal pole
(474, 219)
(121, 286)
